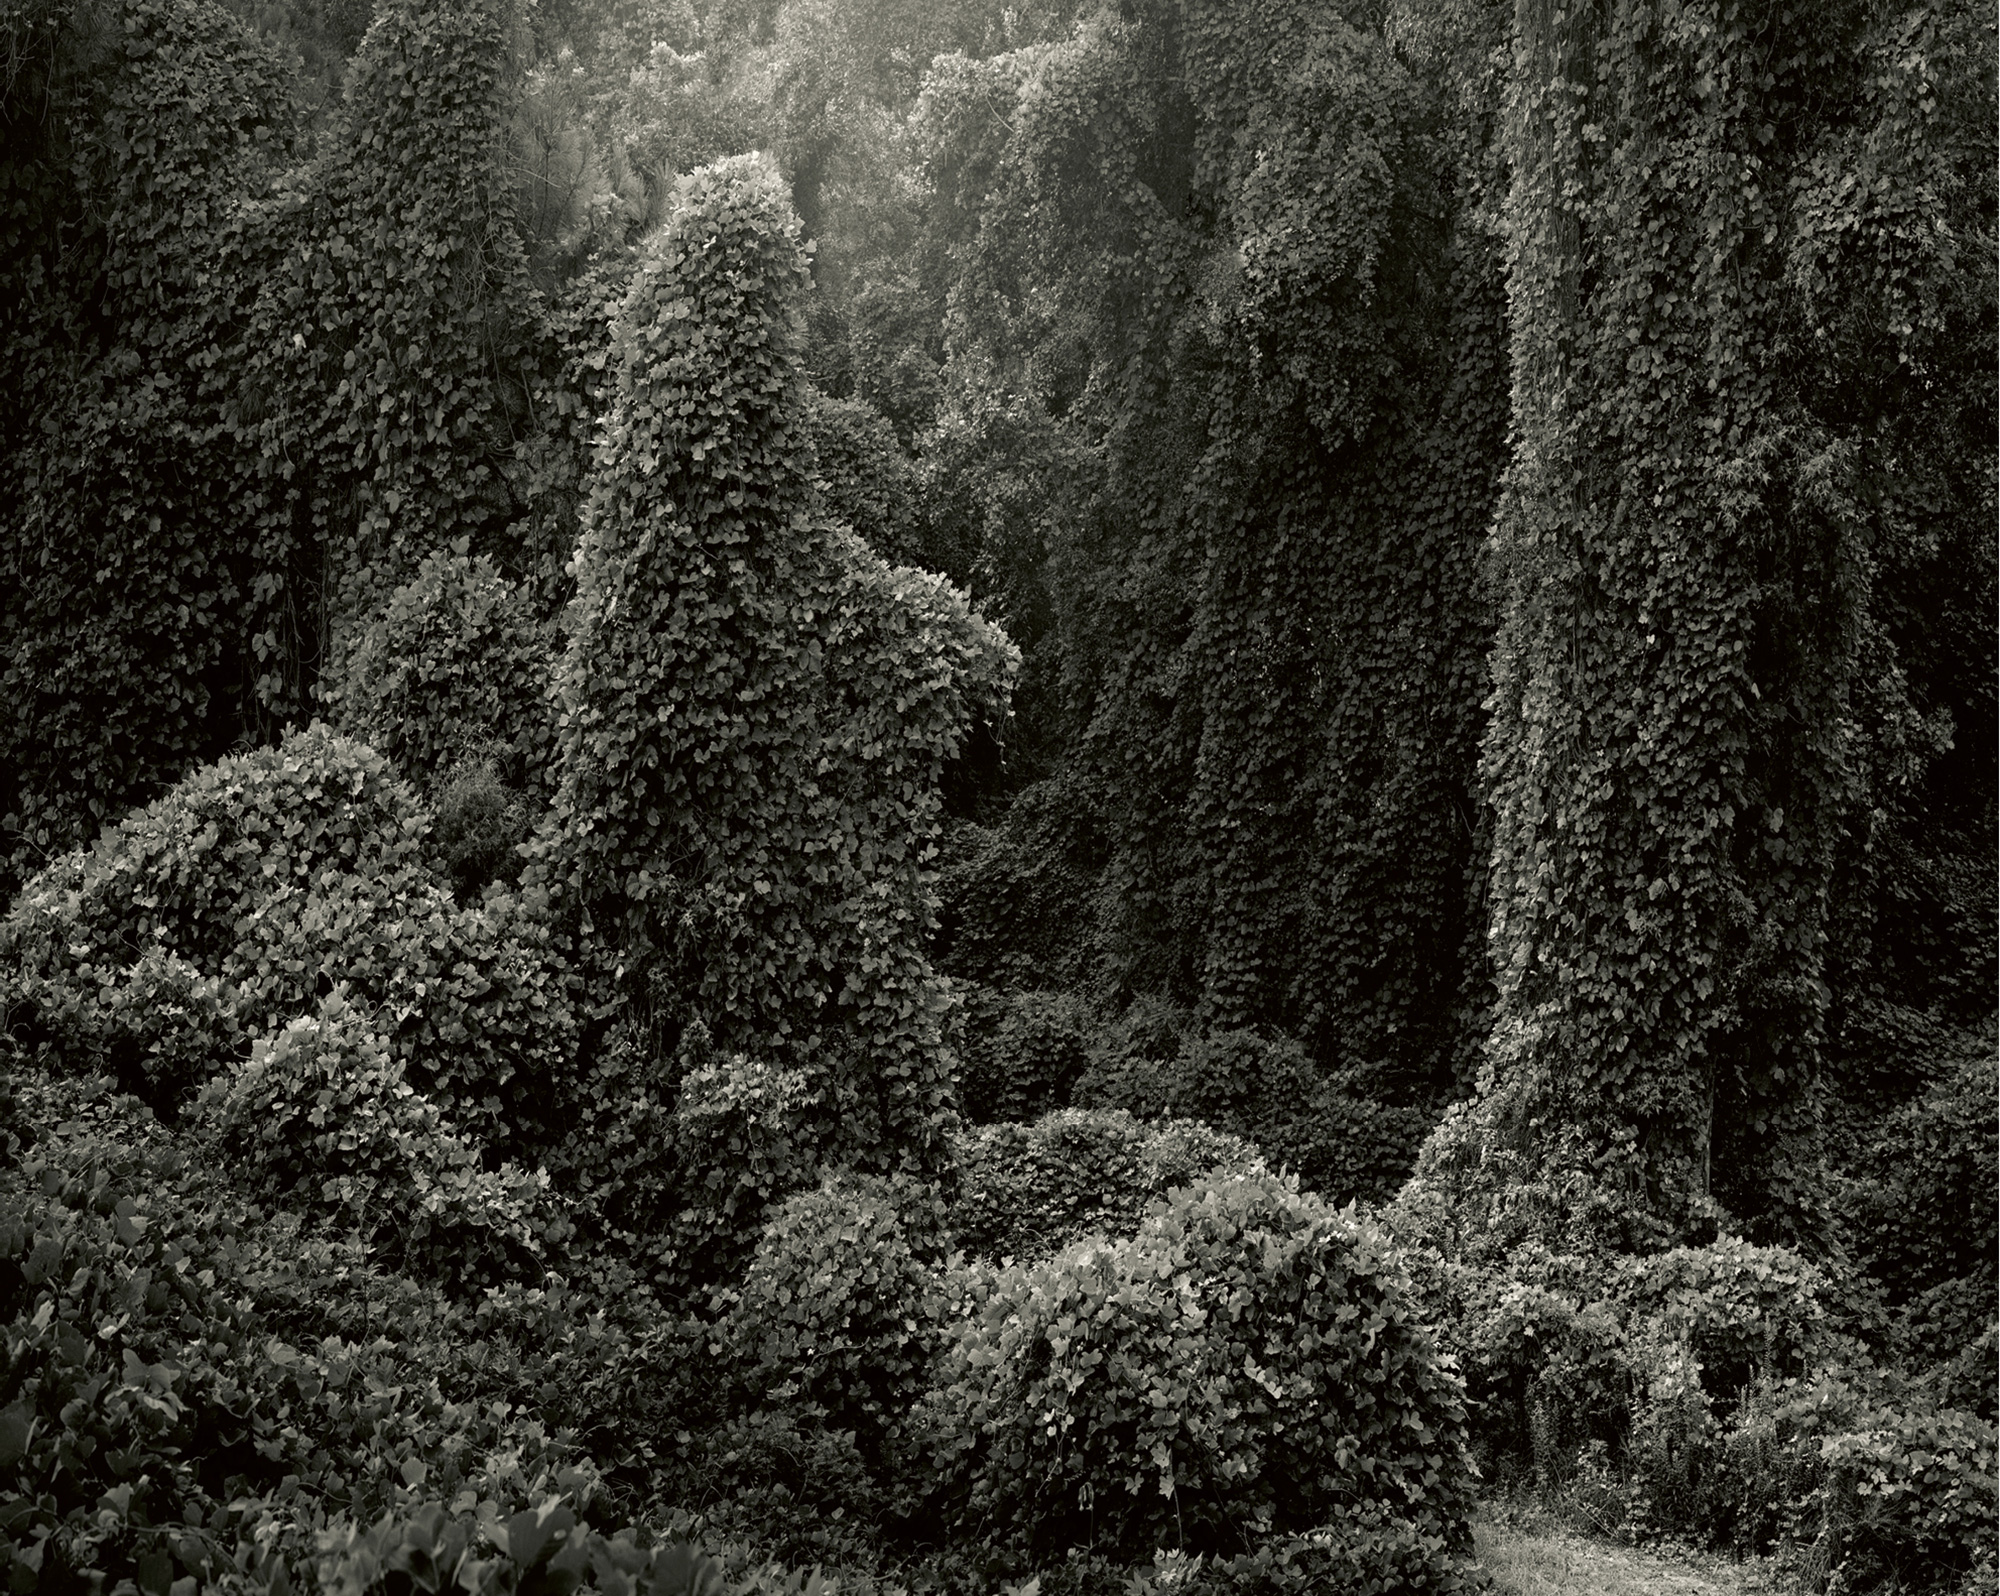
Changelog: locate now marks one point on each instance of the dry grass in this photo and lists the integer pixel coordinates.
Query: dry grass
(1550, 1561)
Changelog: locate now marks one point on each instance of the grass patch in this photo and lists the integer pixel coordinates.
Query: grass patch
(1547, 1560)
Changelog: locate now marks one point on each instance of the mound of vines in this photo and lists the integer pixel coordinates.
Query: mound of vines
(259, 884)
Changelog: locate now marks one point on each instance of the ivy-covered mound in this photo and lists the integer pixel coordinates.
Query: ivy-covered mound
(1244, 1377)
(257, 886)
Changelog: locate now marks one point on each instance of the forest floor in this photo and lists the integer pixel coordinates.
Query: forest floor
(1533, 1555)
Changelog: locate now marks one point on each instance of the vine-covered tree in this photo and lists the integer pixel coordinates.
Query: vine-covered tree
(131, 586)
(1748, 249)
(755, 707)
(1227, 248)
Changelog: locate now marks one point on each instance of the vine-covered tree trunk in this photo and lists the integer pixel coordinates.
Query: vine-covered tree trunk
(1681, 552)
(754, 714)
(1226, 248)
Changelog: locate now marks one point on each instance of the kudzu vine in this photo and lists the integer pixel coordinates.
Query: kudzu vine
(755, 709)
(1692, 522)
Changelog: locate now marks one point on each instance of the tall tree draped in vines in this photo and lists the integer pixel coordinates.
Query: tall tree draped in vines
(129, 579)
(1740, 237)
(755, 712)
(386, 369)
(242, 398)
(1228, 247)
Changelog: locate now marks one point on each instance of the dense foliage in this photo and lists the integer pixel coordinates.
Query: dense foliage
(1244, 1365)
(749, 747)
(754, 707)
(133, 591)
(452, 668)
(1226, 246)
(1027, 1191)
(258, 885)
(1708, 481)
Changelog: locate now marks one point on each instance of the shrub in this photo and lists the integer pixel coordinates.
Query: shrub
(1697, 1390)
(1369, 1548)
(1152, 1061)
(431, 1549)
(1021, 1053)
(1350, 1146)
(616, 1161)
(838, 1307)
(1877, 1481)
(158, 1026)
(1020, 897)
(481, 824)
(1541, 1355)
(1909, 1494)
(1246, 1365)
(1027, 1191)
(452, 666)
(242, 897)
(742, 1133)
(1739, 1312)
(323, 1117)
(475, 1001)
(185, 871)
(1924, 1212)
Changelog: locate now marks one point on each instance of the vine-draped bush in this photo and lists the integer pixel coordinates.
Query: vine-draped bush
(838, 1310)
(251, 890)
(1247, 1365)
(754, 708)
(453, 665)
(1923, 1209)
(323, 1119)
(1021, 896)
(1020, 1053)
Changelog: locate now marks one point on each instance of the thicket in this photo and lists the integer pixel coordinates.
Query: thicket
(133, 588)
(255, 888)
(1226, 246)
